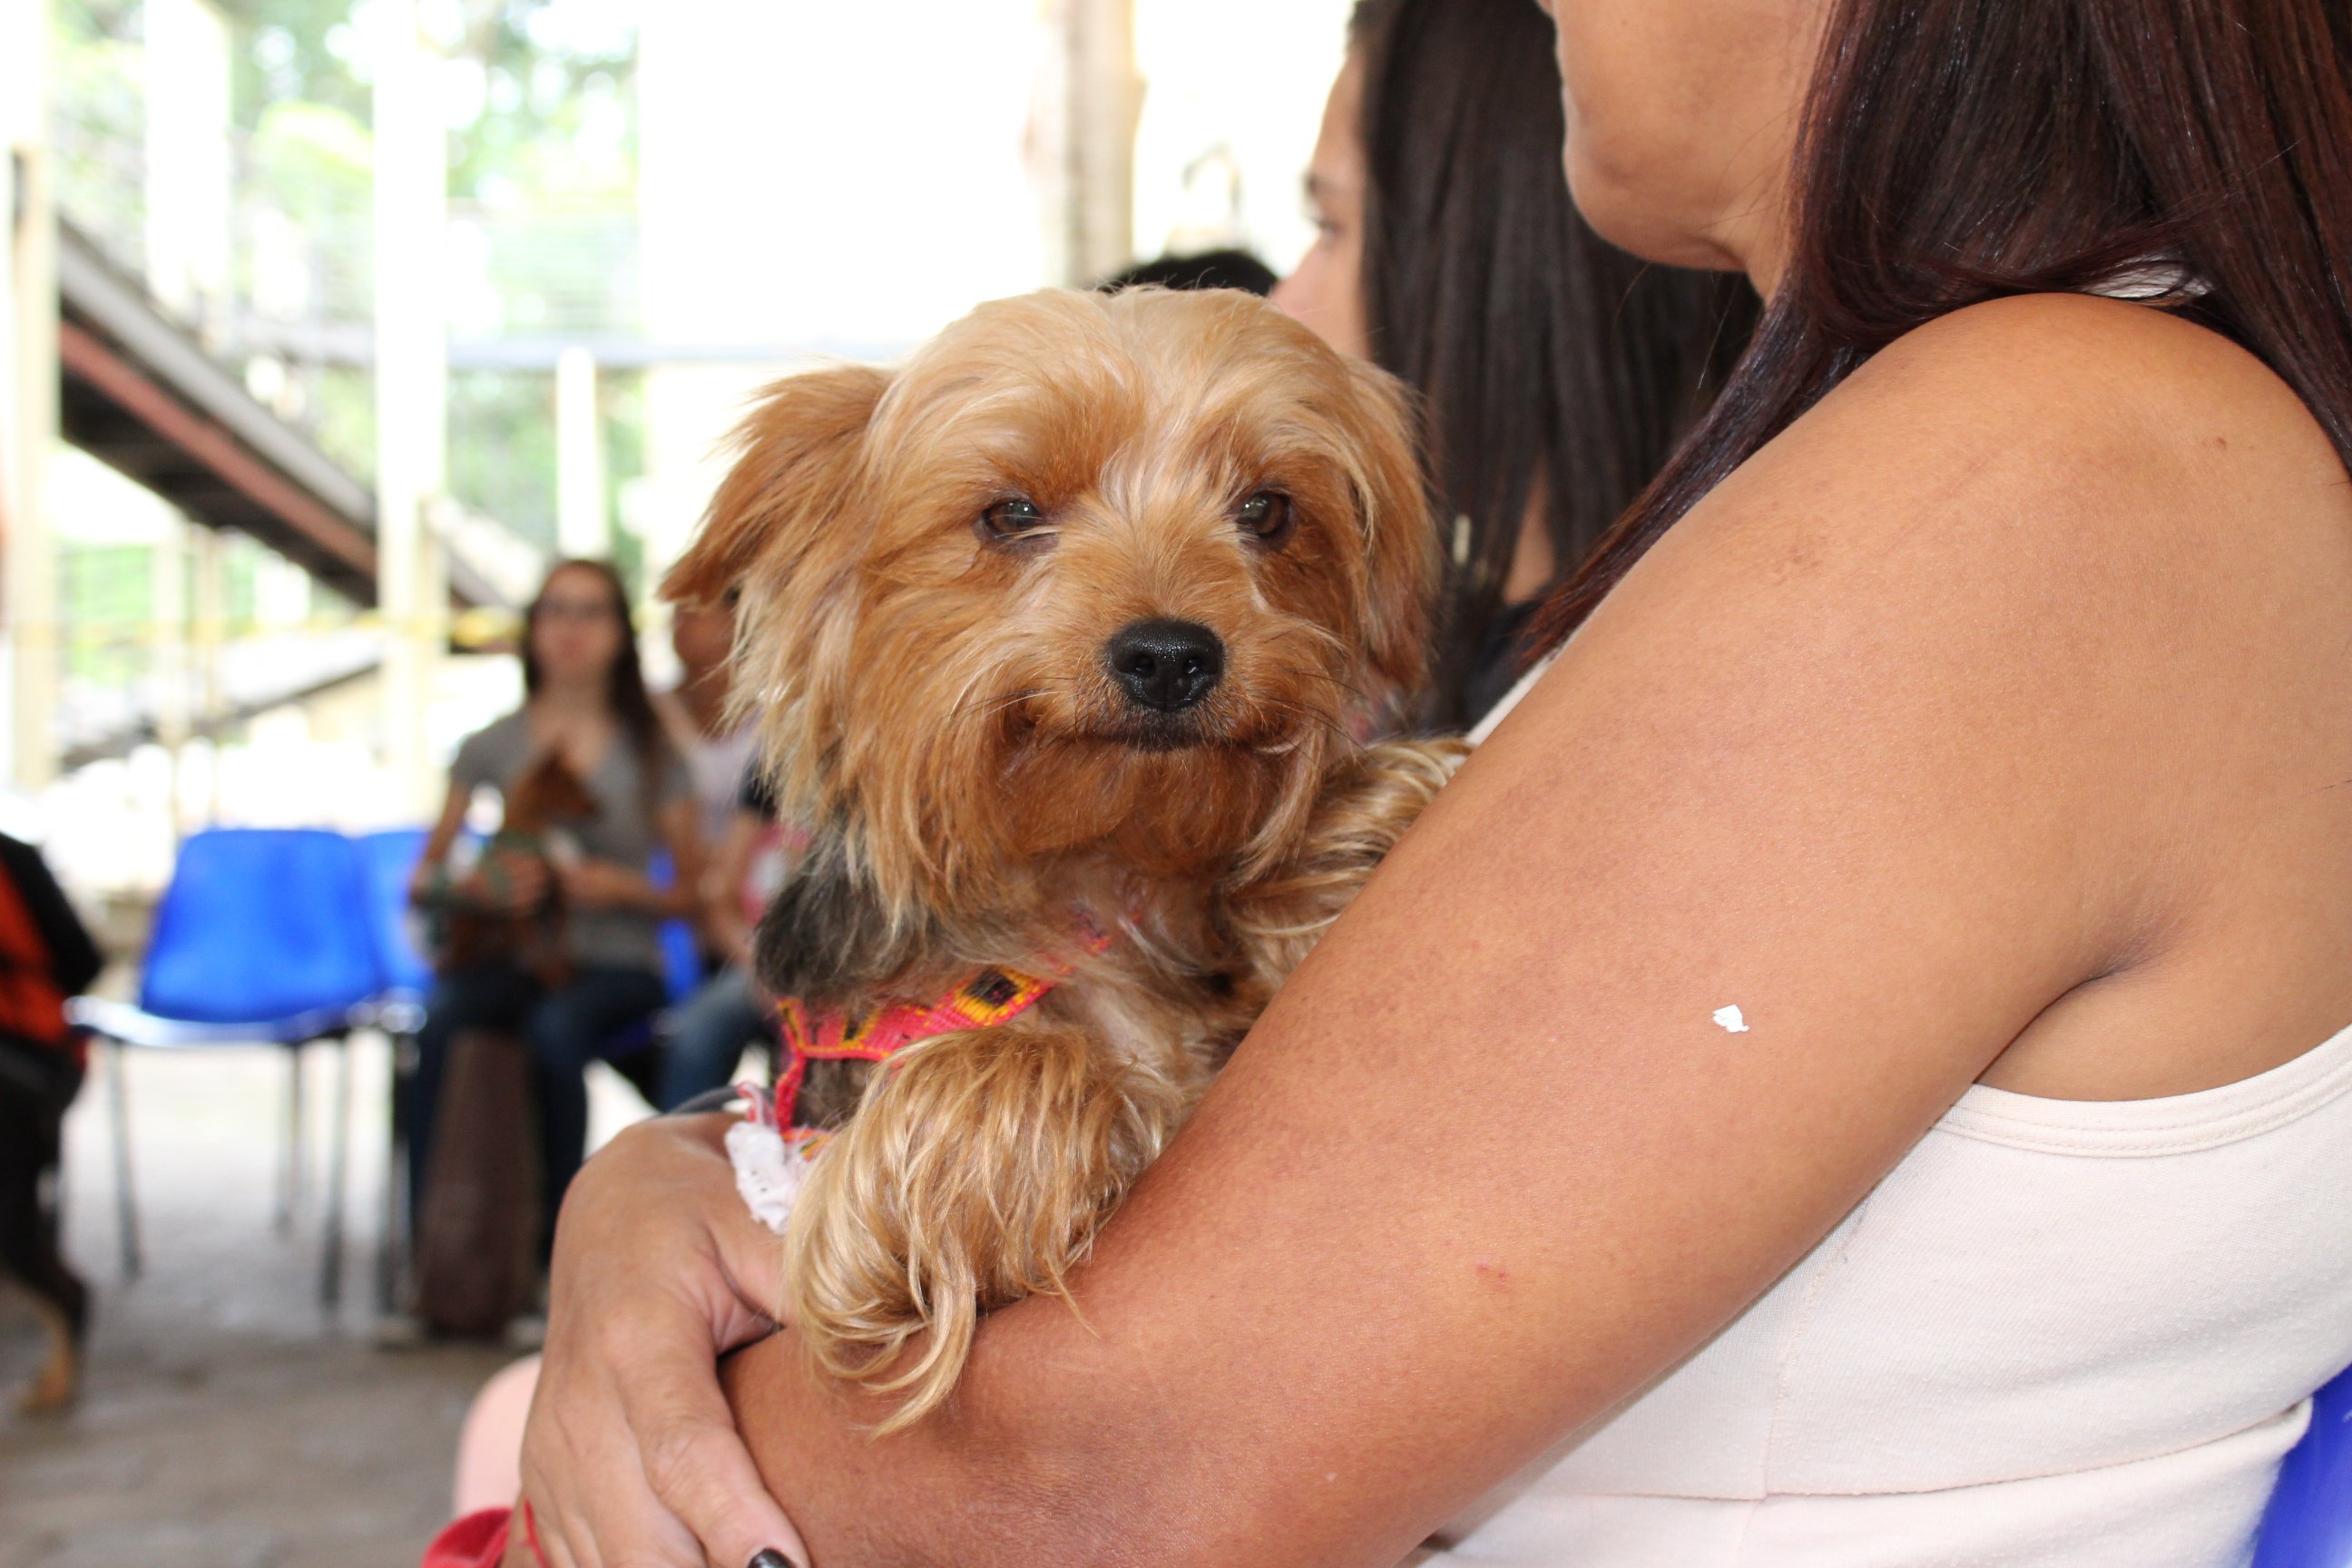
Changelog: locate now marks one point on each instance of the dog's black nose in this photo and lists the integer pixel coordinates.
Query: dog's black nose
(1166, 665)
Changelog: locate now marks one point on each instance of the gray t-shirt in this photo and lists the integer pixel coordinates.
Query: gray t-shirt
(622, 831)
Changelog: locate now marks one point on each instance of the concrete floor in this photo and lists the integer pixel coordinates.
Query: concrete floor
(228, 1422)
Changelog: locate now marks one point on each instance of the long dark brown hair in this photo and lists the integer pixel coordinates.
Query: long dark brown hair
(1959, 151)
(1544, 355)
(625, 684)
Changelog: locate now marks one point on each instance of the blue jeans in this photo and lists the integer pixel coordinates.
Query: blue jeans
(711, 1033)
(581, 1021)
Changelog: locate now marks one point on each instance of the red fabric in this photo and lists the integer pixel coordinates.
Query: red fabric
(476, 1541)
(32, 1008)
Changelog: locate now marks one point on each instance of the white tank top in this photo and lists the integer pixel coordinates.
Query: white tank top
(2060, 1334)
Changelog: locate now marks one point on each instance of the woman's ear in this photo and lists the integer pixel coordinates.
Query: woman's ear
(796, 459)
(1401, 559)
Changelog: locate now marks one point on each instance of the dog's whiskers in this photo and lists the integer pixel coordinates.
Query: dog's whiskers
(987, 708)
(1358, 693)
(1305, 715)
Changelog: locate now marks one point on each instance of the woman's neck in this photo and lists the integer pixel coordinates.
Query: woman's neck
(570, 702)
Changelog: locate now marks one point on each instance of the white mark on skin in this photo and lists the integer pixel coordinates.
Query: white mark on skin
(1731, 1020)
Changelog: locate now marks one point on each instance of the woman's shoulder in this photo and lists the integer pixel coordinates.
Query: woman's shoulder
(2052, 433)
(2049, 497)
(497, 749)
(2073, 386)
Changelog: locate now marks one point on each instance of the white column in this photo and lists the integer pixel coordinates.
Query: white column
(171, 658)
(189, 176)
(1092, 96)
(581, 526)
(210, 626)
(28, 394)
(412, 374)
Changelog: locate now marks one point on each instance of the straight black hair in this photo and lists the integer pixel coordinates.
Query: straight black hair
(1959, 151)
(1197, 269)
(1549, 362)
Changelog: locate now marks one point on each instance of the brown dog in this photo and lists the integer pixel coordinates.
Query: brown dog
(544, 799)
(1058, 636)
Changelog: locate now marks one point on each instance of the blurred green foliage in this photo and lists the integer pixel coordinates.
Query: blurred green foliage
(541, 105)
(538, 89)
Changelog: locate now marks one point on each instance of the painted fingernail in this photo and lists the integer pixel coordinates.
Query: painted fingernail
(768, 1557)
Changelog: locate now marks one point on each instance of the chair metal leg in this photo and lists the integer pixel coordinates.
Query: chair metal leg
(330, 1274)
(289, 1186)
(391, 1240)
(126, 1211)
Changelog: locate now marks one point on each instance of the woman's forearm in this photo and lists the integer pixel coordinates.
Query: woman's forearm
(1026, 1469)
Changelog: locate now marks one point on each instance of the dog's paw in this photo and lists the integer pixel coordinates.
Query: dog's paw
(1365, 807)
(58, 1385)
(974, 1172)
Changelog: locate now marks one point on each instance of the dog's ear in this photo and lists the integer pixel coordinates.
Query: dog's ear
(795, 458)
(1401, 558)
(826, 936)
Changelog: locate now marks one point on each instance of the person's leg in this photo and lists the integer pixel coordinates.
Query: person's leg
(709, 1037)
(489, 1446)
(492, 997)
(32, 1095)
(570, 1027)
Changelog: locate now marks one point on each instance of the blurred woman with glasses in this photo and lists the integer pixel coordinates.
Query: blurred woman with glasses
(585, 703)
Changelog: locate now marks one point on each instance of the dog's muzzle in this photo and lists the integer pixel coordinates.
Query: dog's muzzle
(1166, 666)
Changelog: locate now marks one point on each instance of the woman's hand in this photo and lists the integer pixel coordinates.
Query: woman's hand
(505, 883)
(601, 885)
(630, 1455)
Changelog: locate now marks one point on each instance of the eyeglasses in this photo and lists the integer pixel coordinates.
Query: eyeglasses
(574, 610)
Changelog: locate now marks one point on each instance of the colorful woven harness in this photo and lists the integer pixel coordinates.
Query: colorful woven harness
(983, 999)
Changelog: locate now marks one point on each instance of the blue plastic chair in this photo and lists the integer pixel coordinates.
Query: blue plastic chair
(2309, 1522)
(681, 960)
(261, 939)
(388, 859)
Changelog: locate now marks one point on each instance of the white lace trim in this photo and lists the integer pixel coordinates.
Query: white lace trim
(769, 1171)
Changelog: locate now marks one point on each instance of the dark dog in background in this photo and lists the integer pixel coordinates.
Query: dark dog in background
(46, 956)
(542, 804)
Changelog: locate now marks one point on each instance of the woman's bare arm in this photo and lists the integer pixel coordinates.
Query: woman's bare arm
(679, 822)
(444, 834)
(608, 884)
(722, 884)
(1900, 737)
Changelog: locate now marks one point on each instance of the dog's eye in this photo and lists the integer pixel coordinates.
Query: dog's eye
(1013, 517)
(1265, 517)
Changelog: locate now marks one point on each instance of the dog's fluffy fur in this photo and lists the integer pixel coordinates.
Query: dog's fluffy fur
(939, 705)
(546, 799)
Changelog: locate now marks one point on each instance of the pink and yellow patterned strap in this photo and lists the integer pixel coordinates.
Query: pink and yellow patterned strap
(982, 1000)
